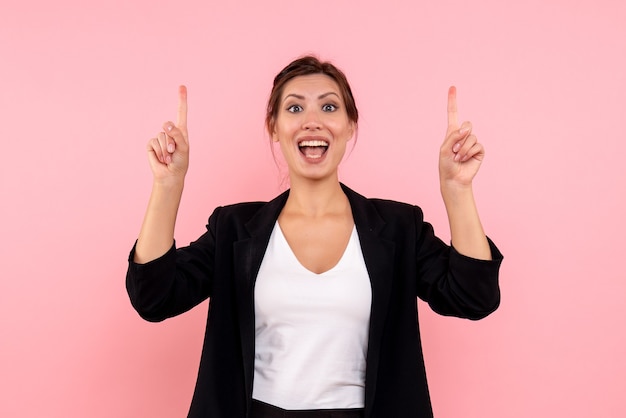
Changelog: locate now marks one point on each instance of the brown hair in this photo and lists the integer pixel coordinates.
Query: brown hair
(308, 65)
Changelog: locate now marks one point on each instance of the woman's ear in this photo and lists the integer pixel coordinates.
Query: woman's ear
(352, 130)
(272, 130)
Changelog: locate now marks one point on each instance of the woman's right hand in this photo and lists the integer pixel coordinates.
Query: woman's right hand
(168, 153)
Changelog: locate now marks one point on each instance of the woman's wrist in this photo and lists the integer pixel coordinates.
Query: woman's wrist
(454, 192)
(169, 184)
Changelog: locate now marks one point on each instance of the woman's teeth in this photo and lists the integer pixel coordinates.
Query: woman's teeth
(313, 143)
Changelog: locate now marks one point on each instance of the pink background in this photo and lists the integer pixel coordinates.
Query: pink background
(84, 87)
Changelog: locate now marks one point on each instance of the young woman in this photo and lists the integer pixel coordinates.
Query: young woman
(313, 294)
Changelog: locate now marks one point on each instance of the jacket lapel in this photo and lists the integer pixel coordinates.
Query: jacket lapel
(379, 255)
(248, 255)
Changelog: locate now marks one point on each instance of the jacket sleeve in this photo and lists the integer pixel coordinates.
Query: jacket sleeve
(175, 282)
(454, 284)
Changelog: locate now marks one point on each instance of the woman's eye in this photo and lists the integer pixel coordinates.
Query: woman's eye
(294, 108)
(329, 108)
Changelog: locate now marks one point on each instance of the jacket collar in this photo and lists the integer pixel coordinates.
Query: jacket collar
(363, 211)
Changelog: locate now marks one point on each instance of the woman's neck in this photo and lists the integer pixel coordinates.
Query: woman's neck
(316, 198)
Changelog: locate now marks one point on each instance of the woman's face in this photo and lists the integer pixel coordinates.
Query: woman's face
(312, 127)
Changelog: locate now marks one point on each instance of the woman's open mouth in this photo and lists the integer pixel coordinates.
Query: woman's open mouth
(314, 148)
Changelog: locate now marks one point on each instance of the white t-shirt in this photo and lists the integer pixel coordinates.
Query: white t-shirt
(311, 329)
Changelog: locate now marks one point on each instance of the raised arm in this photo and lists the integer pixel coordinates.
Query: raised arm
(459, 160)
(168, 155)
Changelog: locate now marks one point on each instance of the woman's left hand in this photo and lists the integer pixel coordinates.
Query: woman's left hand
(461, 154)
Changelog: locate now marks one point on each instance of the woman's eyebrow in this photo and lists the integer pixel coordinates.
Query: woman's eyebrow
(297, 96)
(322, 96)
(300, 97)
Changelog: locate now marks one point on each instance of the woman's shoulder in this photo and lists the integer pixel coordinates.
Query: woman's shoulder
(398, 213)
(393, 216)
(239, 210)
(256, 212)
(381, 204)
(390, 204)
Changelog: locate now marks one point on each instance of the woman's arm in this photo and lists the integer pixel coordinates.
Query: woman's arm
(168, 155)
(459, 160)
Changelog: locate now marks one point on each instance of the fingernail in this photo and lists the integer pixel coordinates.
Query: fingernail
(456, 147)
(464, 130)
(168, 159)
(457, 157)
(169, 127)
(170, 148)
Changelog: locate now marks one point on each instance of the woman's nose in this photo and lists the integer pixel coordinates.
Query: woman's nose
(311, 121)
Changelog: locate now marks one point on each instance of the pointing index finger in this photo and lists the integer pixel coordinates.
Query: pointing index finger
(453, 117)
(181, 120)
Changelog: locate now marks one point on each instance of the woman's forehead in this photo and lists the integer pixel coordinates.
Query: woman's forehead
(311, 85)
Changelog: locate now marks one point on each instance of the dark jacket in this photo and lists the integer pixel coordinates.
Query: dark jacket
(404, 259)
